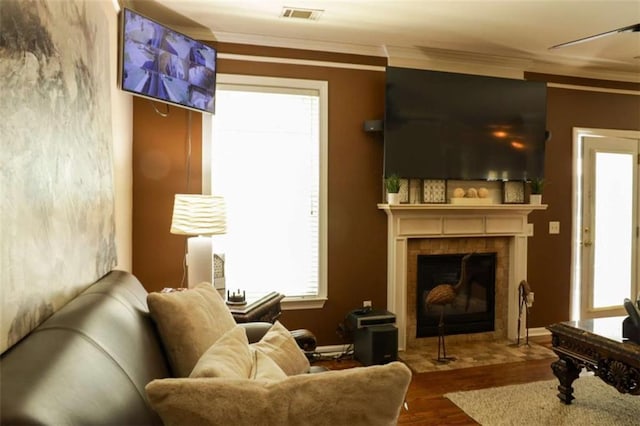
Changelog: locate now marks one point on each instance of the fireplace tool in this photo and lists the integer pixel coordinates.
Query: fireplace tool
(526, 301)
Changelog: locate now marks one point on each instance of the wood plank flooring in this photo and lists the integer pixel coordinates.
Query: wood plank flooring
(425, 400)
(428, 406)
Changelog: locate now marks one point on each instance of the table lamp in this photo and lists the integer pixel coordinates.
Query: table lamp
(200, 216)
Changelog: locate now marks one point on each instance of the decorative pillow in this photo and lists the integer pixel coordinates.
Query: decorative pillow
(364, 396)
(279, 345)
(264, 368)
(229, 357)
(189, 322)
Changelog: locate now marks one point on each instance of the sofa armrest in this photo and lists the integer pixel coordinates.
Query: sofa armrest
(255, 330)
(304, 338)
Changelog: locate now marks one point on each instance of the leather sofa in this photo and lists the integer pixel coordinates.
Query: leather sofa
(89, 362)
(100, 360)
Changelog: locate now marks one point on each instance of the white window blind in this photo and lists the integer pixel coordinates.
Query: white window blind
(267, 162)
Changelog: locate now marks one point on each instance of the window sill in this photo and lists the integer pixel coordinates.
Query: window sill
(295, 303)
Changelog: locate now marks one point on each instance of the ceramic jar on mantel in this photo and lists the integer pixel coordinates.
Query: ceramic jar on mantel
(393, 198)
(535, 199)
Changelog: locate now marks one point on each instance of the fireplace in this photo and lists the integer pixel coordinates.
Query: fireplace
(472, 280)
(414, 229)
(492, 250)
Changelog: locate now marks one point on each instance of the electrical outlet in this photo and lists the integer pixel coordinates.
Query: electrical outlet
(366, 304)
(554, 227)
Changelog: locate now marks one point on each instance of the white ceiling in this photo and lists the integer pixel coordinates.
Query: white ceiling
(512, 34)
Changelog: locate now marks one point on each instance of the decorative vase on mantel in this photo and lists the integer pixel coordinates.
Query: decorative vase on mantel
(392, 185)
(536, 185)
(535, 199)
(393, 198)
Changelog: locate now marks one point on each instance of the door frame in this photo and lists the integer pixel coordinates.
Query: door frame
(576, 201)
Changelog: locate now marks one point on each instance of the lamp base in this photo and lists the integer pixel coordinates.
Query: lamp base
(199, 260)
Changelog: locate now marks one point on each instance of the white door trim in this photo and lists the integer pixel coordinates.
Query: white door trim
(576, 201)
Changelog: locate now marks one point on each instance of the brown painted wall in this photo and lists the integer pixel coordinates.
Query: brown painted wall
(357, 229)
(160, 147)
(549, 256)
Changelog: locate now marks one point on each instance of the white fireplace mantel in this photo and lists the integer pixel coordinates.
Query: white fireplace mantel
(406, 221)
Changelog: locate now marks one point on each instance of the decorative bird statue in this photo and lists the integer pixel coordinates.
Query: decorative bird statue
(445, 294)
(524, 289)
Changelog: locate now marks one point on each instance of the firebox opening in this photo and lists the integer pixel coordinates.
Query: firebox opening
(473, 309)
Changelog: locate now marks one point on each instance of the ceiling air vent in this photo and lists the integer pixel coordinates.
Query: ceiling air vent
(298, 13)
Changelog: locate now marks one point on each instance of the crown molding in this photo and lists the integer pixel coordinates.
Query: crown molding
(499, 66)
(577, 70)
(429, 58)
(306, 62)
(457, 56)
(457, 61)
(295, 43)
(199, 33)
(593, 89)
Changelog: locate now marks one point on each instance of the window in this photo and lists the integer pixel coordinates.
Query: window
(268, 159)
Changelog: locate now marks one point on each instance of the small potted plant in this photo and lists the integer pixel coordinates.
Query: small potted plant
(392, 185)
(536, 185)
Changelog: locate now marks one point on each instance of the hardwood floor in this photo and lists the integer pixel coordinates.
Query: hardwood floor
(428, 406)
(426, 403)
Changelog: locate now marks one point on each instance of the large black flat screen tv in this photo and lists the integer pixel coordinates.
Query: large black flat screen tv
(161, 64)
(441, 125)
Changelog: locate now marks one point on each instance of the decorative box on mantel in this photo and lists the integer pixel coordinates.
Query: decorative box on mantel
(407, 221)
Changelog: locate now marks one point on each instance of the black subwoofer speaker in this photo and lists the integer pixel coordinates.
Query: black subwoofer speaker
(377, 344)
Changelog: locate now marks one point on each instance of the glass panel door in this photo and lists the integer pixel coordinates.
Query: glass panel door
(609, 240)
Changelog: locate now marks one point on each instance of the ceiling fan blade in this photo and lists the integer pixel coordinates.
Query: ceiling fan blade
(629, 29)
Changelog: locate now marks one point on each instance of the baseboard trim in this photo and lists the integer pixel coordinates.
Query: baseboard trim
(339, 349)
(539, 331)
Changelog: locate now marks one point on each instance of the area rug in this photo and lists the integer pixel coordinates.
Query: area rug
(596, 403)
(473, 354)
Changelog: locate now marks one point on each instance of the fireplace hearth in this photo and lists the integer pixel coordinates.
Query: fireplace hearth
(473, 309)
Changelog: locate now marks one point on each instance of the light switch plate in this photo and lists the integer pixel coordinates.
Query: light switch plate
(554, 227)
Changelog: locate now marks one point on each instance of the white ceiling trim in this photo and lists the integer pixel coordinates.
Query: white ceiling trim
(423, 58)
(594, 89)
(455, 61)
(577, 71)
(290, 43)
(203, 34)
(307, 62)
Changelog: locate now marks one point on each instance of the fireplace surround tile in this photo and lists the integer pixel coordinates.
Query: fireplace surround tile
(431, 246)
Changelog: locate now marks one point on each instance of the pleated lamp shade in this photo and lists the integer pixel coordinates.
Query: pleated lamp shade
(195, 214)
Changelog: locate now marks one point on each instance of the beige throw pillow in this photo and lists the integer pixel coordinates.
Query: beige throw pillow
(365, 396)
(189, 322)
(279, 345)
(264, 368)
(229, 357)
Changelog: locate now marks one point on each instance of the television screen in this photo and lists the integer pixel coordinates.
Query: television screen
(441, 125)
(159, 63)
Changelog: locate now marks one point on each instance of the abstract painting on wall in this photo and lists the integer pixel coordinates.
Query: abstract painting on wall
(57, 232)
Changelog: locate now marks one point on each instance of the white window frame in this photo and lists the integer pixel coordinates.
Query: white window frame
(322, 87)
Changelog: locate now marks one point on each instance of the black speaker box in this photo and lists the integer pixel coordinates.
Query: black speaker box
(377, 344)
(373, 125)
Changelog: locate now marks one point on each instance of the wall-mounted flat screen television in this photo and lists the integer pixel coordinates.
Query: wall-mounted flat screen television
(159, 63)
(441, 125)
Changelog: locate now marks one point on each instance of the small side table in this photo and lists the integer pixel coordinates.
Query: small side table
(263, 308)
